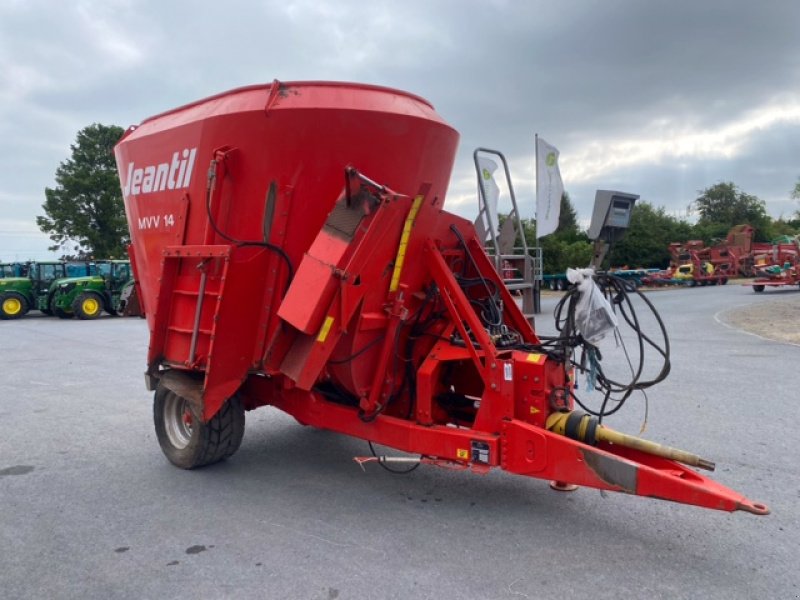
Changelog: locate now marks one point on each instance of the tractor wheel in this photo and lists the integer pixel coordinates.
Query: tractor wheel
(59, 312)
(723, 281)
(758, 288)
(88, 306)
(186, 440)
(692, 283)
(12, 306)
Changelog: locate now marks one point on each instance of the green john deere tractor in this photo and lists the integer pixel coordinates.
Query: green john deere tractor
(87, 297)
(35, 288)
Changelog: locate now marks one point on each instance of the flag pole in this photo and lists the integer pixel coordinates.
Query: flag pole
(536, 190)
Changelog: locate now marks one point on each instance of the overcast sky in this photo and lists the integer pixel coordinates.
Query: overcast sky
(661, 99)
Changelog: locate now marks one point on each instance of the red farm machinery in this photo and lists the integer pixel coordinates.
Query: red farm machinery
(777, 264)
(692, 263)
(292, 249)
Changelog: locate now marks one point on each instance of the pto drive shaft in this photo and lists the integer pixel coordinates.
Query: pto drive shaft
(585, 428)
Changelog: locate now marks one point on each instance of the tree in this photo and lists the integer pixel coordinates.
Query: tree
(796, 196)
(723, 205)
(646, 242)
(85, 208)
(567, 219)
(782, 227)
(567, 247)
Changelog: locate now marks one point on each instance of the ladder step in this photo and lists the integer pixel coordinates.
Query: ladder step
(519, 286)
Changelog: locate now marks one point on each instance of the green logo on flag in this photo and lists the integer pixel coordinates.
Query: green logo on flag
(551, 159)
(486, 175)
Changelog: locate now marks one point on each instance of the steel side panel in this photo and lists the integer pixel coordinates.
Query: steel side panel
(361, 271)
(301, 143)
(234, 340)
(440, 442)
(310, 295)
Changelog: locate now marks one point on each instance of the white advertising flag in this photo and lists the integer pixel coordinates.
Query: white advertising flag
(492, 192)
(549, 188)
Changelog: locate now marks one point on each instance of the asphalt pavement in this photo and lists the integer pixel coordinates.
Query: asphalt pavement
(89, 507)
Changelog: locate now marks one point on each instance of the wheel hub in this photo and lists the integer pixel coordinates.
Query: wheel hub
(12, 306)
(178, 421)
(90, 306)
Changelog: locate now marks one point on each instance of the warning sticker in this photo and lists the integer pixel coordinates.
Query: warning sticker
(480, 452)
(508, 371)
(325, 329)
(462, 453)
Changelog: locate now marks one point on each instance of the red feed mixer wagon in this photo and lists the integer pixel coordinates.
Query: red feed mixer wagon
(293, 250)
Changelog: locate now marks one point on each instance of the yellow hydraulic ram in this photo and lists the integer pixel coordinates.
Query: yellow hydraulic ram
(585, 428)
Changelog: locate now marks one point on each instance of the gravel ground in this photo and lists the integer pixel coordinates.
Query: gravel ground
(777, 320)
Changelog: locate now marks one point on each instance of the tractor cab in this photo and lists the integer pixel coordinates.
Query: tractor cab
(116, 273)
(12, 270)
(44, 274)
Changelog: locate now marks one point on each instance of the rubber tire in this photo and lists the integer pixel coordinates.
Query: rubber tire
(59, 312)
(81, 312)
(23, 308)
(210, 442)
(692, 283)
(723, 281)
(758, 288)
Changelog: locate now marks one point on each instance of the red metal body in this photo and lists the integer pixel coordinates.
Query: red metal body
(695, 264)
(776, 275)
(737, 255)
(373, 331)
(776, 264)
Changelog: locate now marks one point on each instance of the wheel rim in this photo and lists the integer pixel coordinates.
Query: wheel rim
(178, 421)
(12, 306)
(90, 306)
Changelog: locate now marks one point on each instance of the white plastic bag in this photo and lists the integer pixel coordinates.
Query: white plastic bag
(593, 315)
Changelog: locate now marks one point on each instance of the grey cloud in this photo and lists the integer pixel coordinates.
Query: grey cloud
(579, 73)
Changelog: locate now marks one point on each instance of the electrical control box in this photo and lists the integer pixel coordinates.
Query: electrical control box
(612, 214)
